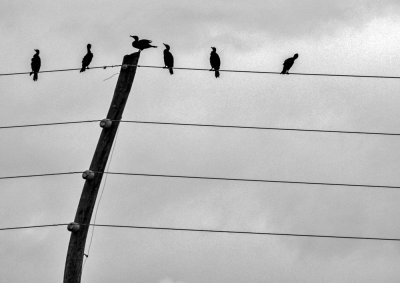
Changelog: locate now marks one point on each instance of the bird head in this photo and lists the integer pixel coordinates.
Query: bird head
(89, 46)
(214, 49)
(135, 37)
(37, 51)
(166, 46)
(296, 56)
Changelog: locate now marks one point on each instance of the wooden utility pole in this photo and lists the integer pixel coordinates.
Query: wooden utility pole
(79, 228)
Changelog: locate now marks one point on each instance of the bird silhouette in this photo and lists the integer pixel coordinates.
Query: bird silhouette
(87, 58)
(168, 59)
(289, 63)
(35, 65)
(141, 44)
(215, 61)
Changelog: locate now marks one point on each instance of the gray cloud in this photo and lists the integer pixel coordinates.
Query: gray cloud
(334, 36)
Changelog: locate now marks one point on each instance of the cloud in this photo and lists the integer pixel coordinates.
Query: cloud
(248, 27)
(283, 18)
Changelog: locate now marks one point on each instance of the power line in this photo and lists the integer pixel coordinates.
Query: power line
(253, 180)
(205, 125)
(209, 178)
(60, 70)
(223, 70)
(261, 128)
(249, 232)
(31, 227)
(48, 124)
(213, 231)
(277, 73)
(39, 175)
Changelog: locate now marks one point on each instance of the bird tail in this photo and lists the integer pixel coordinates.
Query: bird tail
(35, 76)
(217, 73)
(171, 71)
(283, 71)
(82, 69)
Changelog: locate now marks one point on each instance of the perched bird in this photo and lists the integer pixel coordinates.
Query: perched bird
(288, 64)
(35, 65)
(215, 61)
(141, 44)
(168, 59)
(87, 59)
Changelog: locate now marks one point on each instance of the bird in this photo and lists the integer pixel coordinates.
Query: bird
(168, 59)
(35, 65)
(215, 61)
(87, 58)
(141, 44)
(289, 63)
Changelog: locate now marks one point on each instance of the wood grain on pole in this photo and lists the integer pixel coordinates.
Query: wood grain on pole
(76, 248)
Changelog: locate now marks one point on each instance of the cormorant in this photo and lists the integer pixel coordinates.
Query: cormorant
(168, 59)
(87, 59)
(215, 61)
(141, 44)
(288, 64)
(35, 65)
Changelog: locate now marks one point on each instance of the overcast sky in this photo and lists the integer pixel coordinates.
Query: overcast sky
(343, 37)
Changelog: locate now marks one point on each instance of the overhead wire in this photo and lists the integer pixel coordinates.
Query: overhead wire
(250, 232)
(210, 178)
(253, 180)
(260, 128)
(32, 226)
(206, 69)
(48, 124)
(60, 70)
(206, 125)
(237, 232)
(40, 175)
(276, 73)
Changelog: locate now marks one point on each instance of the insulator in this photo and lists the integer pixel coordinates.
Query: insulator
(105, 123)
(88, 175)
